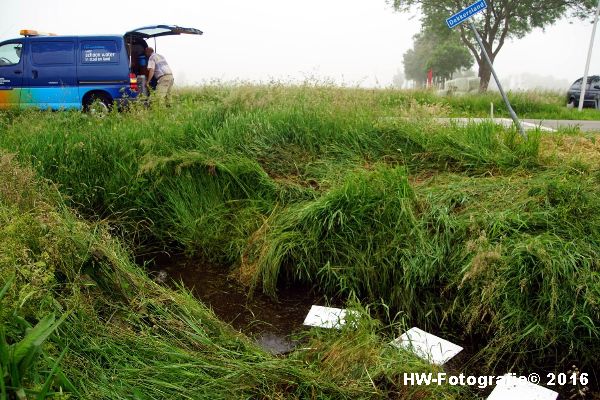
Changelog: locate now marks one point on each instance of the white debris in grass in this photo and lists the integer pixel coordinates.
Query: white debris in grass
(511, 387)
(326, 317)
(427, 346)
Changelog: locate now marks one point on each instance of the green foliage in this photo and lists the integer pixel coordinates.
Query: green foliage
(19, 359)
(343, 233)
(128, 337)
(358, 192)
(520, 269)
(474, 148)
(7, 286)
(501, 20)
(443, 54)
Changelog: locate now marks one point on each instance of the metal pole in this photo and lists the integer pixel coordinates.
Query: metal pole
(487, 57)
(589, 57)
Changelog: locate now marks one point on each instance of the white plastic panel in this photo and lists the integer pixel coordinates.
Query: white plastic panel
(326, 317)
(513, 388)
(427, 346)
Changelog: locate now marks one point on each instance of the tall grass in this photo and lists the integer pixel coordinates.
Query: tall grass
(123, 336)
(468, 230)
(527, 104)
(519, 269)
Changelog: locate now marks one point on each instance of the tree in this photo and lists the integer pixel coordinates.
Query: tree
(444, 54)
(450, 56)
(398, 79)
(415, 65)
(502, 20)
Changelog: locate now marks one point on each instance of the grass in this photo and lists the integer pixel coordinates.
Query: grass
(520, 269)
(467, 231)
(387, 102)
(122, 336)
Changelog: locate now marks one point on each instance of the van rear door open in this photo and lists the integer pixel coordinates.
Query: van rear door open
(50, 78)
(136, 43)
(161, 30)
(11, 73)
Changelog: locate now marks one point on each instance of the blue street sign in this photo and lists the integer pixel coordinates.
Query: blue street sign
(465, 14)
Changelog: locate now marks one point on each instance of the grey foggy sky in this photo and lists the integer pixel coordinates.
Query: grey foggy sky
(355, 42)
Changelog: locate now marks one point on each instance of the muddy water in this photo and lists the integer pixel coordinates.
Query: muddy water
(271, 323)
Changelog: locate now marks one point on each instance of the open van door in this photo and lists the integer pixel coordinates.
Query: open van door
(161, 30)
(136, 44)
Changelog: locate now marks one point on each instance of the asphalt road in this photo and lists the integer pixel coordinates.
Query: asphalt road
(549, 125)
(585, 126)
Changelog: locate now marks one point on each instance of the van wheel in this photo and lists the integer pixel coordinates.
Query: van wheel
(98, 104)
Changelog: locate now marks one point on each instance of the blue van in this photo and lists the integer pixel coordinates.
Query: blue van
(62, 72)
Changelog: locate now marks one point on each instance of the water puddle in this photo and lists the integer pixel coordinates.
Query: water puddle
(271, 323)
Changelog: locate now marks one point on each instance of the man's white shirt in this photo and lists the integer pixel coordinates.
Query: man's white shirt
(159, 64)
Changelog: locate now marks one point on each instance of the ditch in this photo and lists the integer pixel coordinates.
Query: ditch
(271, 323)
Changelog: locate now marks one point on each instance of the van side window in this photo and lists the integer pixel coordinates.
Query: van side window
(10, 54)
(99, 51)
(53, 52)
(577, 84)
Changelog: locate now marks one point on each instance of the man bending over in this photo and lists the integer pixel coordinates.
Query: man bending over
(159, 69)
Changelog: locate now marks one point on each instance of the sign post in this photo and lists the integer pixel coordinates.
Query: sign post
(465, 15)
(587, 64)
